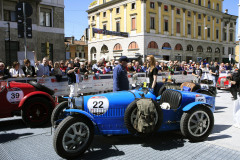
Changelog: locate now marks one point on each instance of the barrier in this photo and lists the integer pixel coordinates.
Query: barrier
(101, 83)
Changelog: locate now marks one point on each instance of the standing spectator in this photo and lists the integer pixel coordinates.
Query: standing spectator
(56, 71)
(43, 69)
(234, 81)
(50, 65)
(222, 67)
(158, 66)
(89, 69)
(97, 67)
(197, 72)
(120, 78)
(214, 71)
(73, 79)
(16, 71)
(107, 69)
(83, 69)
(228, 67)
(4, 73)
(152, 74)
(211, 64)
(103, 62)
(76, 62)
(144, 67)
(28, 70)
(165, 67)
(137, 68)
(130, 67)
(63, 67)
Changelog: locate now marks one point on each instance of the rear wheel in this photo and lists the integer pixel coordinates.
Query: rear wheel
(72, 137)
(36, 111)
(197, 123)
(58, 113)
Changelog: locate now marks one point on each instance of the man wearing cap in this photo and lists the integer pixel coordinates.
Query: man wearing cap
(120, 78)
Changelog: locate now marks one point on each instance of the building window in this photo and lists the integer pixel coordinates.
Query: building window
(152, 23)
(189, 48)
(165, 25)
(93, 18)
(133, 5)
(217, 21)
(209, 18)
(199, 16)
(199, 2)
(217, 34)
(229, 50)
(209, 49)
(223, 51)
(104, 14)
(10, 16)
(208, 32)
(199, 49)
(231, 37)
(189, 29)
(209, 4)
(117, 26)
(178, 11)
(231, 25)
(134, 23)
(189, 13)
(165, 8)
(217, 50)
(217, 7)
(152, 5)
(189, 1)
(199, 30)
(104, 27)
(224, 36)
(45, 17)
(117, 10)
(178, 27)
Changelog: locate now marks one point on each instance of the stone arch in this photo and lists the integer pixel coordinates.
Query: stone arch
(167, 46)
(152, 45)
(189, 47)
(178, 47)
(209, 49)
(104, 49)
(217, 50)
(133, 45)
(117, 47)
(199, 49)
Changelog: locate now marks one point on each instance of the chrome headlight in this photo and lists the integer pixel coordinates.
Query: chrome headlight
(79, 103)
(70, 103)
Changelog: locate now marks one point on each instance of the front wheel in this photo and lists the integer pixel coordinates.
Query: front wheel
(36, 111)
(73, 136)
(58, 113)
(197, 123)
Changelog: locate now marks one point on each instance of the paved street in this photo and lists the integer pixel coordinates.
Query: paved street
(18, 142)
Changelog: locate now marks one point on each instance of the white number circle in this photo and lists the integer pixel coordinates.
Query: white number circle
(98, 105)
(200, 99)
(15, 95)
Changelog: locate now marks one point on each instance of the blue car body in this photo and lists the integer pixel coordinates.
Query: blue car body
(107, 110)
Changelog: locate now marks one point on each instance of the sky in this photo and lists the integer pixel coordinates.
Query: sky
(76, 20)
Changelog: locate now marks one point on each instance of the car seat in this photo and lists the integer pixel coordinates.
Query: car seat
(174, 98)
(190, 85)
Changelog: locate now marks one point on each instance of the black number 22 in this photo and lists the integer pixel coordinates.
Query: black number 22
(96, 103)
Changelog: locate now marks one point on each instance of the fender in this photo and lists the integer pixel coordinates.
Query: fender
(191, 105)
(36, 93)
(82, 113)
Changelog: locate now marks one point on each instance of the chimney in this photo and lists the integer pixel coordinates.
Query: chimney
(72, 40)
(226, 11)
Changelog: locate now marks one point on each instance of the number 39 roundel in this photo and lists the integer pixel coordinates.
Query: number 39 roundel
(14, 95)
(98, 105)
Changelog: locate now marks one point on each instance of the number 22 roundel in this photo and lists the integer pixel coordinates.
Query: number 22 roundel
(14, 95)
(98, 105)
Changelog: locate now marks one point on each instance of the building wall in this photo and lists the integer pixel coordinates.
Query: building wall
(144, 34)
(41, 35)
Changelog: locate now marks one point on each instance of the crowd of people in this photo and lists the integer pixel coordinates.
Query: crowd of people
(60, 68)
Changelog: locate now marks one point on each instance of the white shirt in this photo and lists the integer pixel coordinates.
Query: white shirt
(13, 72)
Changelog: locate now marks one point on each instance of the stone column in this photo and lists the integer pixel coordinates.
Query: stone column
(184, 10)
(172, 7)
(228, 26)
(222, 33)
(111, 19)
(213, 30)
(143, 15)
(204, 3)
(204, 25)
(194, 25)
(125, 17)
(98, 23)
(234, 31)
(159, 17)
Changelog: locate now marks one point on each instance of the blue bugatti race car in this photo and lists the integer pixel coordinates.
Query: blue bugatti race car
(79, 119)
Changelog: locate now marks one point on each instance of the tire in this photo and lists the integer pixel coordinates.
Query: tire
(132, 107)
(66, 128)
(186, 123)
(168, 86)
(161, 90)
(42, 87)
(58, 112)
(37, 111)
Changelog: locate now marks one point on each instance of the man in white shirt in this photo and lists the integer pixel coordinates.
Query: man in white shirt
(43, 69)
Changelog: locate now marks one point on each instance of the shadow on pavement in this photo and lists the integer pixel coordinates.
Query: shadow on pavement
(220, 128)
(105, 147)
(213, 138)
(11, 136)
(217, 108)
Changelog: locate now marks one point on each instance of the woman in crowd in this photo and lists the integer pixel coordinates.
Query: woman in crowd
(16, 71)
(63, 67)
(152, 73)
(56, 71)
(28, 70)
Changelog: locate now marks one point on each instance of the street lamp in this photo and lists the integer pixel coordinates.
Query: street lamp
(9, 39)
